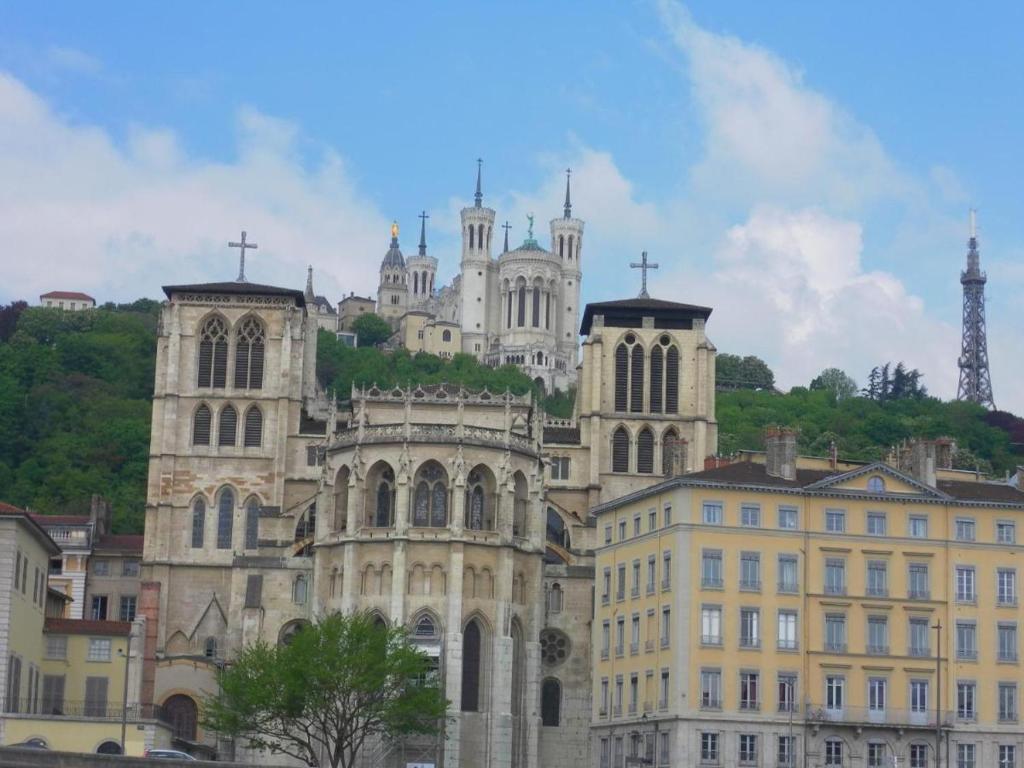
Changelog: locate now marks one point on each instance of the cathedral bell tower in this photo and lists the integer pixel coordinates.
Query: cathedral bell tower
(393, 290)
(477, 268)
(567, 245)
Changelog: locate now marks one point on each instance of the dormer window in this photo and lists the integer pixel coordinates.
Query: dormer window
(876, 484)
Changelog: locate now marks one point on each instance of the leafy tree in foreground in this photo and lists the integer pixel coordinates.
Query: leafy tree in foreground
(319, 697)
(371, 329)
(735, 372)
(838, 382)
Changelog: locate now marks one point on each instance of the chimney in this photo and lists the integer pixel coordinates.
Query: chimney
(833, 454)
(780, 447)
(923, 461)
(99, 515)
(945, 447)
(1018, 478)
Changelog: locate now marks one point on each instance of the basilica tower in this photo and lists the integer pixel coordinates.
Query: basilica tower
(422, 270)
(567, 245)
(393, 290)
(477, 270)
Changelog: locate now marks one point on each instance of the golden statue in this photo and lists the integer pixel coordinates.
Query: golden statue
(394, 229)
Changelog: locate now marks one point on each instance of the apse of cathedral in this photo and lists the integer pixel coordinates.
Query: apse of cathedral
(461, 515)
(520, 307)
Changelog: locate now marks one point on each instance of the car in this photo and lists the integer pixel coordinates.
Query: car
(31, 744)
(169, 754)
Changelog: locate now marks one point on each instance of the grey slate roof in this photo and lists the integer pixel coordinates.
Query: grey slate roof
(641, 307)
(237, 289)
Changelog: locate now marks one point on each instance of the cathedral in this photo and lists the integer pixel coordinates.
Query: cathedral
(521, 308)
(463, 516)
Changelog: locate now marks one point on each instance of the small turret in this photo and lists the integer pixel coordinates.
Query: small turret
(393, 289)
(421, 270)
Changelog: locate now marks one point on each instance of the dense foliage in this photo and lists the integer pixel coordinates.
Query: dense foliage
(886, 382)
(75, 391)
(735, 372)
(320, 696)
(371, 329)
(865, 429)
(339, 366)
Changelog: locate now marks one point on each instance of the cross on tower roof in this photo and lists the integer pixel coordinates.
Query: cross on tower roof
(643, 266)
(423, 233)
(241, 259)
(506, 226)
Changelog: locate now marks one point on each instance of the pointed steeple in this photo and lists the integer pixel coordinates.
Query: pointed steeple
(568, 200)
(479, 196)
(506, 226)
(423, 233)
(310, 296)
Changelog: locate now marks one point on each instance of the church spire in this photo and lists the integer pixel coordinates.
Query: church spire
(423, 233)
(479, 196)
(506, 226)
(310, 296)
(568, 200)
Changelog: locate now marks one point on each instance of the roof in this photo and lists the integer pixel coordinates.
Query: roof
(752, 473)
(87, 627)
(393, 258)
(321, 301)
(999, 493)
(68, 295)
(128, 543)
(237, 289)
(641, 307)
(530, 246)
(9, 510)
(51, 520)
(569, 435)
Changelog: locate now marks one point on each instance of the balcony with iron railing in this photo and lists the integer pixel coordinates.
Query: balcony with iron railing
(84, 710)
(878, 649)
(857, 716)
(711, 640)
(919, 593)
(788, 588)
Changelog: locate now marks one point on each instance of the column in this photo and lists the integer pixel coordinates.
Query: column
(453, 654)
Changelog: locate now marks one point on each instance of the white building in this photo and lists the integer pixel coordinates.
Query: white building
(70, 300)
(521, 307)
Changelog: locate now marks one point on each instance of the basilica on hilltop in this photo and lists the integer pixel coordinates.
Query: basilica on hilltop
(460, 515)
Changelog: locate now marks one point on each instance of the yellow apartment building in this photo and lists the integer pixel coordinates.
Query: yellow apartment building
(788, 612)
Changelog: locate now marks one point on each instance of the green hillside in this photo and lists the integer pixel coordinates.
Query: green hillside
(75, 392)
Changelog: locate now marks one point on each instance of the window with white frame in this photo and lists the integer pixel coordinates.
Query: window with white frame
(965, 700)
(750, 515)
(919, 696)
(750, 630)
(1007, 702)
(835, 687)
(965, 756)
(835, 520)
(750, 690)
(787, 631)
(788, 518)
(711, 624)
(712, 513)
(965, 529)
(877, 689)
(876, 524)
(917, 526)
(99, 649)
(711, 688)
(56, 647)
(748, 749)
(1006, 532)
(1007, 637)
(1006, 586)
(965, 584)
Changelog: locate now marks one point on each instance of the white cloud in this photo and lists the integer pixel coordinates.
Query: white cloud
(87, 213)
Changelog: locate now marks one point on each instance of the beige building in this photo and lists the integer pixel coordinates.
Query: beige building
(353, 307)
(432, 506)
(112, 586)
(420, 331)
(782, 612)
(71, 301)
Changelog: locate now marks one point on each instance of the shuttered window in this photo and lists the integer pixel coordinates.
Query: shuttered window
(53, 695)
(96, 696)
(645, 451)
(225, 518)
(227, 429)
(213, 353)
(253, 427)
(249, 349)
(636, 380)
(201, 426)
(672, 380)
(620, 450)
(621, 377)
(198, 522)
(656, 380)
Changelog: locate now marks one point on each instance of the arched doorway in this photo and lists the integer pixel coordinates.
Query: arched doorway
(183, 715)
(108, 748)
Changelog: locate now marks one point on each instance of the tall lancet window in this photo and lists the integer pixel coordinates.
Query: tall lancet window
(471, 645)
(657, 375)
(672, 380)
(670, 453)
(213, 353)
(521, 309)
(636, 380)
(225, 518)
(430, 505)
(547, 311)
(620, 450)
(198, 523)
(535, 320)
(228, 426)
(621, 377)
(479, 503)
(472, 237)
(249, 348)
(645, 451)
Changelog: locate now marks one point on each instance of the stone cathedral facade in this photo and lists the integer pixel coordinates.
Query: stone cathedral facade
(520, 307)
(461, 515)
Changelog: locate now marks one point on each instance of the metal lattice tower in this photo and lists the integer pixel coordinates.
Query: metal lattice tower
(975, 382)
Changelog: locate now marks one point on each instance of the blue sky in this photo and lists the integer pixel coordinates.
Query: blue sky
(804, 168)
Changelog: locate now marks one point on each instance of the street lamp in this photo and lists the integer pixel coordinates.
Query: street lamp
(127, 653)
(937, 626)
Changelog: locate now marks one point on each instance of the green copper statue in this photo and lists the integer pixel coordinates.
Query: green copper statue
(529, 218)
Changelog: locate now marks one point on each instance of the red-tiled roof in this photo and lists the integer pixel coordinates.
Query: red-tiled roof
(87, 627)
(9, 510)
(47, 520)
(119, 542)
(68, 295)
(993, 492)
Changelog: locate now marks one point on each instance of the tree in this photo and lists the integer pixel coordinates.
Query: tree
(838, 382)
(9, 315)
(371, 329)
(319, 697)
(735, 372)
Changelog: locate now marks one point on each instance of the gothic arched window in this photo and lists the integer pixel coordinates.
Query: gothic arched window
(425, 628)
(479, 500)
(636, 379)
(672, 380)
(620, 450)
(225, 518)
(480, 236)
(551, 703)
(621, 377)
(299, 589)
(341, 499)
(570, 247)
(535, 309)
(670, 453)
(415, 282)
(252, 524)
(227, 427)
(446, 335)
(645, 451)
(471, 644)
(380, 505)
(253, 427)
(250, 344)
(520, 504)
(657, 372)
(472, 237)
(555, 599)
(306, 527)
(561, 246)
(213, 353)
(430, 504)
(556, 530)
(198, 522)
(201, 425)
(521, 309)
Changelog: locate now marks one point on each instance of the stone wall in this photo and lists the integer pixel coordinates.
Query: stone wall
(40, 758)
